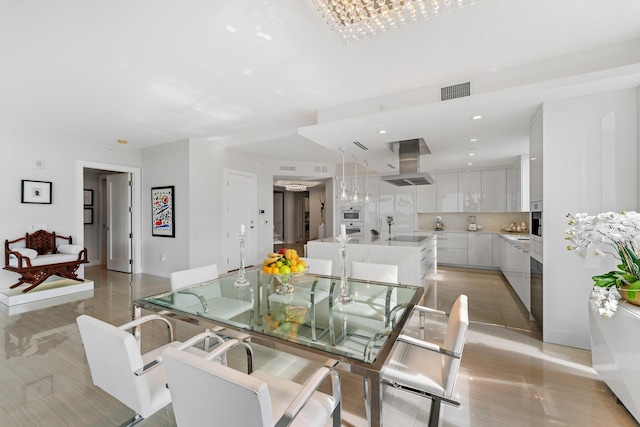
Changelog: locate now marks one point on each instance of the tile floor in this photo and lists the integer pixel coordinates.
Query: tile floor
(508, 376)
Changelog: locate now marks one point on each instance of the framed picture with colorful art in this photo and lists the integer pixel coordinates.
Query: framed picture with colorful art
(163, 211)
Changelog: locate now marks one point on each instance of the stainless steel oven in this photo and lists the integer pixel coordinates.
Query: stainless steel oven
(351, 214)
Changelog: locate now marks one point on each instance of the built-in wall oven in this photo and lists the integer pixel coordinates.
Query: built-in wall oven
(354, 229)
(351, 214)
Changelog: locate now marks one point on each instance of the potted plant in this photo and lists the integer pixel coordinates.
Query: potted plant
(597, 235)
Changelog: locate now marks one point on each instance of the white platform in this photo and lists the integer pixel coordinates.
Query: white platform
(46, 290)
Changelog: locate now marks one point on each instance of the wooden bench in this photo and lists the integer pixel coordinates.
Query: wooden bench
(38, 256)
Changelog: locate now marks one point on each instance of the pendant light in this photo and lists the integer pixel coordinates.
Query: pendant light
(344, 193)
(355, 194)
(367, 196)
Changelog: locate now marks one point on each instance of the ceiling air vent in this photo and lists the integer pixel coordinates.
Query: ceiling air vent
(287, 168)
(455, 91)
(391, 166)
(320, 169)
(360, 145)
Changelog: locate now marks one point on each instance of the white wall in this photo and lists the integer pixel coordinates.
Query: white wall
(590, 153)
(64, 215)
(91, 231)
(166, 165)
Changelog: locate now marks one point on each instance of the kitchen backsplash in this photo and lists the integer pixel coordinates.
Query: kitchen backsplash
(490, 222)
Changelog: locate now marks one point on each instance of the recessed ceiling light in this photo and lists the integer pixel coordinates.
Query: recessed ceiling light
(473, 140)
(534, 158)
(381, 131)
(122, 141)
(478, 117)
(472, 154)
(469, 164)
(230, 29)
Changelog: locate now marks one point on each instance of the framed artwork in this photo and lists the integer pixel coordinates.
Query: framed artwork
(88, 215)
(36, 192)
(162, 211)
(88, 197)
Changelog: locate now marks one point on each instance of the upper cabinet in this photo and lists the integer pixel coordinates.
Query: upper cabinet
(494, 190)
(426, 196)
(471, 191)
(535, 152)
(447, 192)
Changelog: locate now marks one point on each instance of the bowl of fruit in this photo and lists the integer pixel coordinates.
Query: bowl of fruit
(284, 265)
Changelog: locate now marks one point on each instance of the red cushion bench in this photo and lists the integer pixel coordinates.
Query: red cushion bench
(40, 255)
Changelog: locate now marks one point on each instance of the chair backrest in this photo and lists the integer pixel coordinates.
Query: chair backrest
(319, 266)
(387, 273)
(184, 278)
(454, 340)
(206, 393)
(113, 355)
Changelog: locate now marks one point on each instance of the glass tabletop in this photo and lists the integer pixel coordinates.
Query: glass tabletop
(300, 308)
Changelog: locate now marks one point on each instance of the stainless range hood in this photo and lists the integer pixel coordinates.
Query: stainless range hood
(409, 152)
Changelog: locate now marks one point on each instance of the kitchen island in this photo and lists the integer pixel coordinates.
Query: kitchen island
(413, 253)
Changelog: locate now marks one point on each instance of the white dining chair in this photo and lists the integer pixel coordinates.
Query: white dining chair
(372, 305)
(427, 368)
(206, 299)
(309, 291)
(206, 393)
(118, 367)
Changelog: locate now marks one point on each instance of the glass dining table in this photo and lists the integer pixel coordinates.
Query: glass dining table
(300, 315)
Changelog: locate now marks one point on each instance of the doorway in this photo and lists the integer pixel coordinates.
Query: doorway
(241, 192)
(127, 219)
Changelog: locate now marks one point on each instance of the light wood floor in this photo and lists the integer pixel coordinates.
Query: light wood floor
(508, 376)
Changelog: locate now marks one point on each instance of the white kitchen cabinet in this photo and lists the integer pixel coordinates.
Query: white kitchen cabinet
(470, 191)
(517, 271)
(494, 190)
(512, 190)
(480, 249)
(452, 248)
(426, 197)
(498, 251)
(535, 153)
(447, 192)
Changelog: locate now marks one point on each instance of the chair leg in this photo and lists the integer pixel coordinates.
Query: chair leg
(337, 415)
(434, 414)
(133, 421)
(367, 399)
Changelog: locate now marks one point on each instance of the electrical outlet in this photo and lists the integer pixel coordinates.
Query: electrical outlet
(163, 256)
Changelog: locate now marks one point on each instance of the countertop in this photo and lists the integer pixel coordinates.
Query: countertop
(381, 241)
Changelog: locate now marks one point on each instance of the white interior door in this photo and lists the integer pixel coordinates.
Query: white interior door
(241, 198)
(119, 222)
(278, 213)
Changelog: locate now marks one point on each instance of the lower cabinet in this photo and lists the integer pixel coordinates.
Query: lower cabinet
(516, 268)
(452, 248)
(480, 250)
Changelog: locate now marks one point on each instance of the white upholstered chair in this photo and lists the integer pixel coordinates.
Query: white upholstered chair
(426, 368)
(206, 299)
(309, 291)
(372, 304)
(118, 367)
(206, 394)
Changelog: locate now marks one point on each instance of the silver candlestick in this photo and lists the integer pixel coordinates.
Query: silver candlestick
(344, 297)
(241, 281)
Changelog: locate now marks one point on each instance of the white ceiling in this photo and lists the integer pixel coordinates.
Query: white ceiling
(258, 75)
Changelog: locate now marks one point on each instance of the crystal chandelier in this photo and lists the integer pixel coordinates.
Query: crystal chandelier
(295, 186)
(357, 19)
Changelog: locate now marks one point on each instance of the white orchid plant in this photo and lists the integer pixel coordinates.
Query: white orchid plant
(596, 235)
